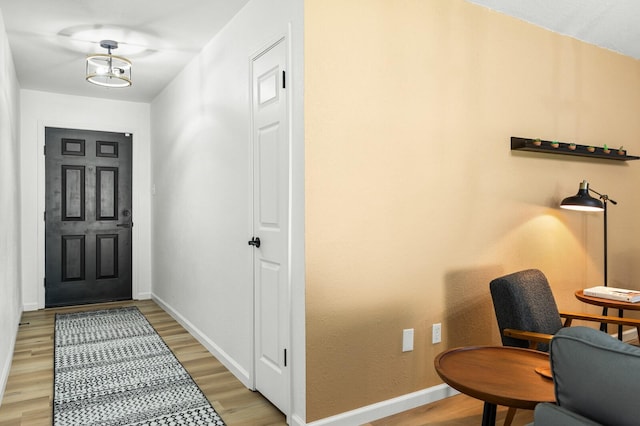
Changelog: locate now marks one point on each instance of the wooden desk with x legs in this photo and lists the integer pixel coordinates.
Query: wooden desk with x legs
(497, 375)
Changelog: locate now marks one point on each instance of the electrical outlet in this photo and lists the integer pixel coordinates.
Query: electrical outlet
(407, 340)
(436, 333)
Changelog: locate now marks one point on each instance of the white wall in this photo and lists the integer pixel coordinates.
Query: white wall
(202, 265)
(10, 303)
(42, 109)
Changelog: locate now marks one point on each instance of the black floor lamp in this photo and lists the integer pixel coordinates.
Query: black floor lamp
(582, 201)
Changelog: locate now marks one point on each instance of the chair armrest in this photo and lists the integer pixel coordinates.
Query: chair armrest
(533, 337)
(570, 316)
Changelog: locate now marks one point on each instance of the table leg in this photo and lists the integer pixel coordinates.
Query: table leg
(489, 414)
(603, 325)
(620, 314)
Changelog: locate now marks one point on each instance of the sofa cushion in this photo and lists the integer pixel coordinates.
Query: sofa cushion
(596, 375)
(547, 414)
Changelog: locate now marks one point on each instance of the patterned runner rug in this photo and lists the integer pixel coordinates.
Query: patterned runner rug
(112, 368)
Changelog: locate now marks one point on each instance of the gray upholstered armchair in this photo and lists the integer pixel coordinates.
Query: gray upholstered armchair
(596, 379)
(527, 313)
(528, 316)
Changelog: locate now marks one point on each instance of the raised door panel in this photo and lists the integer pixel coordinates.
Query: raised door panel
(73, 192)
(73, 258)
(269, 166)
(106, 256)
(106, 193)
(269, 320)
(73, 147)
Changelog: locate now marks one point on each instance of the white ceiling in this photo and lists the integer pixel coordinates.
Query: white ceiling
(611, 24)
(49, 40)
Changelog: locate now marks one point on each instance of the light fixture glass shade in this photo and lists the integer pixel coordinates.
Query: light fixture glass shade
(108, 70)
(582, 201)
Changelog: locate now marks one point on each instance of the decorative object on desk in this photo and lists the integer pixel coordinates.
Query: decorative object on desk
(582, 201)
(544, 372)
(613, 293)
(555, 144)
(621, 151)
(565, 148)
(606, 149)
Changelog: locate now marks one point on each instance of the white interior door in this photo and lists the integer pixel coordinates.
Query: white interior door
(271, 224)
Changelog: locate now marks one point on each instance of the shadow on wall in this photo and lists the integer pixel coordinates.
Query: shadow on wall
(469, 313)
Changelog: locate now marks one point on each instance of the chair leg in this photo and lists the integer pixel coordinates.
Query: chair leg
(510, 415)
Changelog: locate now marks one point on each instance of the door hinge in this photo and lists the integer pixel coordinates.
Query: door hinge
(284, 79)
(285, 357)
(45, 215)
(44, 149)
(44, 281)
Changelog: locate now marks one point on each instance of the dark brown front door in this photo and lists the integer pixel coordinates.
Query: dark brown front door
(88, 217)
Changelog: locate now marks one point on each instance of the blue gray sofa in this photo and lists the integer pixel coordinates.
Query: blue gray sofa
(596, 379)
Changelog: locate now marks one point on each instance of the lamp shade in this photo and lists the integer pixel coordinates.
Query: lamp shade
(582, 201)
(108, 70)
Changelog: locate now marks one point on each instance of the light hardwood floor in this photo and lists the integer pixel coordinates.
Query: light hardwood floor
(459, 410)
(29, 392)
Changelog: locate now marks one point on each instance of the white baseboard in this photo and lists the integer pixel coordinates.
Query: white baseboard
(359, 416)
(383, 409)
(231, 365)
(403, 403)
(30, 307)
(628, 335)
(6, 368)
(143, 296)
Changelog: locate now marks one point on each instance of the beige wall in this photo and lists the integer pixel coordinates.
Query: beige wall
(414, 201)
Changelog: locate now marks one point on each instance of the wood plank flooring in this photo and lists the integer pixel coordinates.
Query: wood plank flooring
(29, 393)
(458, 410)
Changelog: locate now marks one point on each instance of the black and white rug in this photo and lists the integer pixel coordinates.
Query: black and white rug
(112, 368)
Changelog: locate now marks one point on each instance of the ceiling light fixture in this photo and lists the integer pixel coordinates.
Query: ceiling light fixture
(108, 70)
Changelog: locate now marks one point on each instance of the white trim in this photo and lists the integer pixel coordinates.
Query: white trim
(383, 409)
(6, 368)
(30, 307)
(231, 365)
(295, 82)
(627, 335)
(402, 403)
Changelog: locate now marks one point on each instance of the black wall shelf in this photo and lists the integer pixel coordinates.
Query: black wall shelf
(524, 144)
